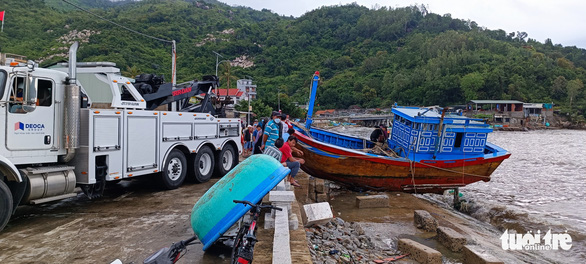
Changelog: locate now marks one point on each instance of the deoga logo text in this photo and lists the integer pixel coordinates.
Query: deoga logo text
(28, 127)
(534, 241)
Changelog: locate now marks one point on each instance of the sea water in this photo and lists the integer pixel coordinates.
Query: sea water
(541, 187)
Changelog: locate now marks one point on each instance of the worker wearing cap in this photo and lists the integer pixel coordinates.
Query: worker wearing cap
(272, 131)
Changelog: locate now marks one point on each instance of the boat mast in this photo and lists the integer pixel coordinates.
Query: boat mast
(314, 81)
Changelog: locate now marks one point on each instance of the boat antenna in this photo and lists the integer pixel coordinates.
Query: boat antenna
(315, 80)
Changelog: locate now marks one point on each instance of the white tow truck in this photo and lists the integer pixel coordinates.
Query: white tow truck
(56, 138)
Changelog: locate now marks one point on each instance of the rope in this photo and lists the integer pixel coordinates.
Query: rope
(411, 164)
(378, 149)
(116, 24)
(445, 169)
(463, 156)
(412, 168)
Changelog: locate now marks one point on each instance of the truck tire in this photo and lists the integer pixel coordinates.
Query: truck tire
(174, 170)
(203, 164)
(5, 204)
(227, 159)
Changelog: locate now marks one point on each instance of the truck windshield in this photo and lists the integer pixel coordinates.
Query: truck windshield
(2, 82)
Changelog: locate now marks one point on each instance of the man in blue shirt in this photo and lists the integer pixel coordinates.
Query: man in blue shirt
(272, 131)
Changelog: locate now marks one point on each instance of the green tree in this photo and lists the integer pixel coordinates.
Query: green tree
(471, 84)
(131, 71)
(369, 96)
(558, 88)
(226, 74)
(404, 54)
(574, 89)
(258, 107)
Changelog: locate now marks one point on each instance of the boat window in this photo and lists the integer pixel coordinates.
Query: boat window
(458, 141)
(416, 126)
(431, 127)
(408, 123)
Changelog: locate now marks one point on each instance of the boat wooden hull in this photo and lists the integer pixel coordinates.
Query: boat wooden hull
(362, 170)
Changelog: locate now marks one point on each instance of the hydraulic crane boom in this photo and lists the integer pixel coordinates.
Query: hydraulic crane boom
(156, 93)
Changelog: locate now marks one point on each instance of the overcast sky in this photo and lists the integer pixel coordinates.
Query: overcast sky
(561, 20)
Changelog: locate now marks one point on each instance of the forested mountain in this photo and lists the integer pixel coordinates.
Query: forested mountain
(366, 57)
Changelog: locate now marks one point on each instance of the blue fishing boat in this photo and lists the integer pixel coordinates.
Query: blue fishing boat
(429, 151)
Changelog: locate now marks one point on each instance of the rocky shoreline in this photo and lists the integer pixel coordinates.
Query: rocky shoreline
(374, 235)
(339, 241)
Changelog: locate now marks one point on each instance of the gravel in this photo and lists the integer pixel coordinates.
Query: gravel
(339, 241)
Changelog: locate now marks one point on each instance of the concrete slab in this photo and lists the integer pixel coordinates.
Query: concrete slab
(424, 220)
(477, 255)
(421, 253)
(281, 205)
(373, 201)
(317, 213)
(269, 221)
(450, 238)
(288, 186)
(322, 197)
(293, 222)
(281, 246)
(281, 196)
(281, 186)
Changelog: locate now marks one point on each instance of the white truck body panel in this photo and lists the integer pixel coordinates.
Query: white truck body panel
(141, 137)
(46, 153)
(131, 141)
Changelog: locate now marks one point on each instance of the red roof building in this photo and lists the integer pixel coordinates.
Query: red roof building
(234, 94)
(245, 91)
(231, 92)
(325, 113)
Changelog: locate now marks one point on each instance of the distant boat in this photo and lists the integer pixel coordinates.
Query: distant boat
(429, 151)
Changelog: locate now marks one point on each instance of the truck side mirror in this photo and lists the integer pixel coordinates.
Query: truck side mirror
(30, 94)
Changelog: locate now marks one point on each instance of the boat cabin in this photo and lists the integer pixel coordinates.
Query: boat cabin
(415, 134)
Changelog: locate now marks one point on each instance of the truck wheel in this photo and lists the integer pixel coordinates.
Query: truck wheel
(5, 204)
(174, 170)
(203, 164)
(227, 159)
